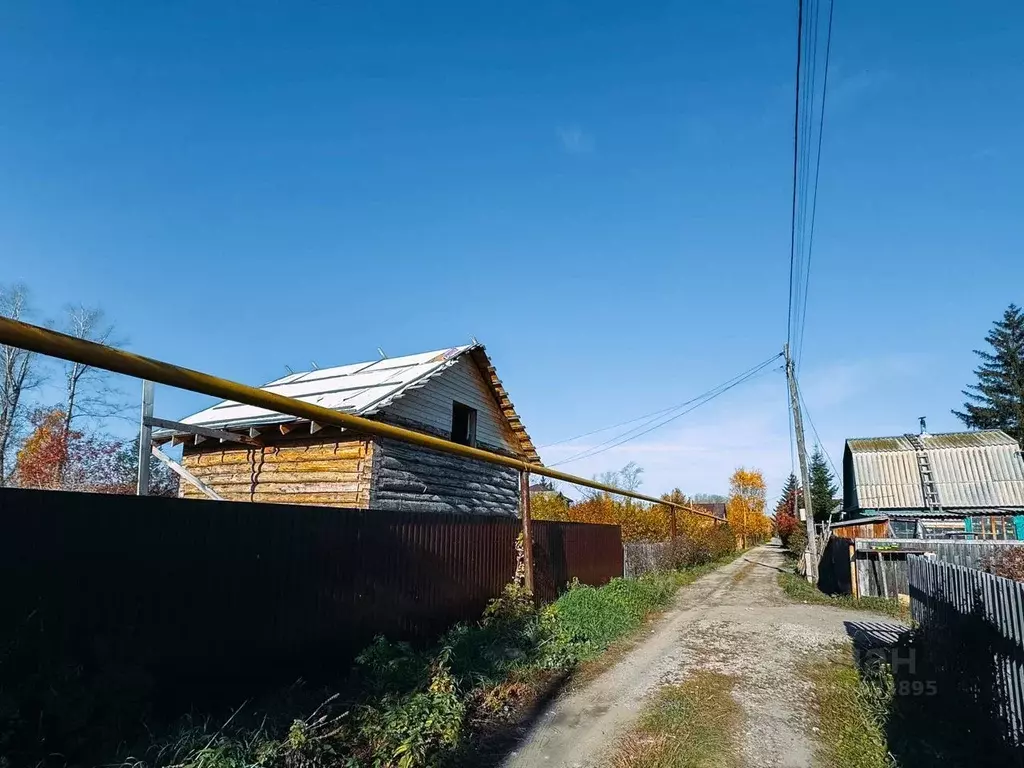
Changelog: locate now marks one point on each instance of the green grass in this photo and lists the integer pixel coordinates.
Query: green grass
(690, 725)
(850, 714)
(797, 588)
(590, 619)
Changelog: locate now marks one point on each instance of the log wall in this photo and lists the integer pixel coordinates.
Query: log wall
(324, 471)
(407, 478)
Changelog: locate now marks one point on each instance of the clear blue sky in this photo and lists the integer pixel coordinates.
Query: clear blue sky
(598, 191)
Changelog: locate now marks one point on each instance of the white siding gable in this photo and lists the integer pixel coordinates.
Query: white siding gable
(463, 382)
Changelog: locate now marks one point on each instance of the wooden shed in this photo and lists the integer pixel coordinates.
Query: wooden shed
(454, 394)
(876, 527)
(930, 486)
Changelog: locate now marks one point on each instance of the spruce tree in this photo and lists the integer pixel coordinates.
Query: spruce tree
(785, 504)
(823, 487)
(787, 526)
(997, 400)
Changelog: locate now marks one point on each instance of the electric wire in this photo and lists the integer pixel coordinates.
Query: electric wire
(629, 433)
(817, 173)
(648, 427)
(659, 425)
(644, 417)
(653, 416)
(817, 437)
(796, 167)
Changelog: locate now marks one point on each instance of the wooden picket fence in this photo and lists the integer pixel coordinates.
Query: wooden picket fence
(972, 624)
(880, 565)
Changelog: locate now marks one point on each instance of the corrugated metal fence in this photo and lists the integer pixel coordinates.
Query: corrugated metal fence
(640, 557)
(202, 589)
(881, 564)
(972, 625)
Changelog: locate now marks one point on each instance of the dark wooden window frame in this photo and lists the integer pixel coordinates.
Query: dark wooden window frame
(463, 424)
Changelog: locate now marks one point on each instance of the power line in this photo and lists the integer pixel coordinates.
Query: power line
(629, 434)
(700, 400)
(817, 437)
(651, 417)
(646, 416)
(817, 173)
(796, 157)
(597, 451)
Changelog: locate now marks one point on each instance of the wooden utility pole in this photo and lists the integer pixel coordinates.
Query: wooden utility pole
(801, 450)
(145, 439)
(524, 506)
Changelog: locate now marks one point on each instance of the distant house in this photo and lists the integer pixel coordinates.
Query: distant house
(717, 508)
(454, 394)
(545, 489)
(959, 484)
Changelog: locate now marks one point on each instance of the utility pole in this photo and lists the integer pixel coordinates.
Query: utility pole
(801, 450)
(145, 439)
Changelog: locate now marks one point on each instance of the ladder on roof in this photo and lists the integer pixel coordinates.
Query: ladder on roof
(928, 487)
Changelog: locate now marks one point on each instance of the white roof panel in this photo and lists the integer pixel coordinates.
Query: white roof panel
(970, 470)
(362, 388)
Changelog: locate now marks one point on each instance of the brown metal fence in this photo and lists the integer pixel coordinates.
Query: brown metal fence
(203, 588)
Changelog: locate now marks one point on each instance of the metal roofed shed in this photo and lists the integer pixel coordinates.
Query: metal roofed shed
(453, 393)
(952, 477)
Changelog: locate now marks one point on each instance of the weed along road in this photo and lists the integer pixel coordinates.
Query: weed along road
(733, 643)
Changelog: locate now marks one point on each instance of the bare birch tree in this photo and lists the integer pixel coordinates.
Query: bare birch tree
(88, 391)
(17, 375)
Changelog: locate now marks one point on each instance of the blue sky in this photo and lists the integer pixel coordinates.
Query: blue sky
(597, 191)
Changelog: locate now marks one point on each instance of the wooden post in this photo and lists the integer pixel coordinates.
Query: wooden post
(885, 580)
(524, 507)
(672, 524)
(145, 439)
(853, 571)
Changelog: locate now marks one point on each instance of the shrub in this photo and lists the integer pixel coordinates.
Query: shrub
(701, 544)
(591, 618)
(785, 526)
(1008, 564)
(798, 540)
(417, 729)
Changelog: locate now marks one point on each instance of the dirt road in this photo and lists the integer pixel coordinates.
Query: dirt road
(736, 621)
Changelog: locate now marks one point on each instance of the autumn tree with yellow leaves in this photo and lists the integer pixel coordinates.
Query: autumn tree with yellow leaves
(745, 510)
(745, 507)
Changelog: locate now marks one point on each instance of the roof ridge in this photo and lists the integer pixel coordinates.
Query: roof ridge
(904, 435)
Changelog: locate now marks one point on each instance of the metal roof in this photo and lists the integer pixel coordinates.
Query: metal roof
(972, 470)
(363, 389)
(859, 521)
(717, 508)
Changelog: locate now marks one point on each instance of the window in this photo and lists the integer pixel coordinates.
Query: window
(903, 529)
(993, 527)
(463, 424)
(942, 529)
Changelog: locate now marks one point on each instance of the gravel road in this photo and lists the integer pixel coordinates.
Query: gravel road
(735, 620)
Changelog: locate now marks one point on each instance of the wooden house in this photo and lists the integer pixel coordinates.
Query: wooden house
(955, 485)
(875, 527)
(454, 394)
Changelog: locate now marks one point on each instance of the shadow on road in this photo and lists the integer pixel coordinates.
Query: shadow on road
(492, 747)
(762, 564)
